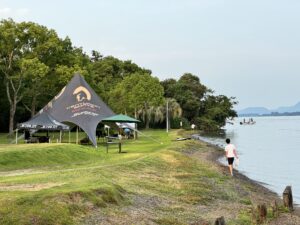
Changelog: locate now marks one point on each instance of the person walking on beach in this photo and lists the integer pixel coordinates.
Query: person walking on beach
(230, 153)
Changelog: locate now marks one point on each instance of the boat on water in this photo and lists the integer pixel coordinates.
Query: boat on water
(250, 122)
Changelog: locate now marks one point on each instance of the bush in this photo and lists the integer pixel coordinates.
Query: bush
(175, 123)
(206, 124)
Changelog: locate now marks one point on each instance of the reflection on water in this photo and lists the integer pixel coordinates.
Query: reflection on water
(269, 150)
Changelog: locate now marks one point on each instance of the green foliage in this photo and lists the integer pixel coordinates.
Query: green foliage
(175, 123)
(214, 111)
(107, 72)
(29, 57)
(34, 72)
(188, 91)
(35, 64)
(199, 105)
(244, 218)
(66, 73)
(138, 94)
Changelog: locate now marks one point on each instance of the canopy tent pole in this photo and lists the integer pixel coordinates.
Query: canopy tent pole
(135, 131)
(16, 136)
(167, 116)
(77, 135)
(60, 133)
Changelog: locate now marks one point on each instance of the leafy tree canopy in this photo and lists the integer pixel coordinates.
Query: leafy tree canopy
(35, 64)
(198, 103)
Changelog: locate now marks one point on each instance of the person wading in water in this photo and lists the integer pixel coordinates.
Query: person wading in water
(230, 152)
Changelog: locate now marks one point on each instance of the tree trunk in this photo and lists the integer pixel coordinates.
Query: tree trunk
(147, 117)
(33, 106)
(135, 134)
(147, 123)
(12, 112)
(13, 100)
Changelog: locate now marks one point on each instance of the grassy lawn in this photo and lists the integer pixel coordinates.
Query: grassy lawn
(41, 183)
(68, 183)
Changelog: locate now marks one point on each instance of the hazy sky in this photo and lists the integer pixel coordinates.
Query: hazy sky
(248, 49)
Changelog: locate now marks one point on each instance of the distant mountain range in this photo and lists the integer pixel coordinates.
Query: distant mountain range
(260, 111)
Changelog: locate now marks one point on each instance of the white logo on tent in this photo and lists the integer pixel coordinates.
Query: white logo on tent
(82, 93)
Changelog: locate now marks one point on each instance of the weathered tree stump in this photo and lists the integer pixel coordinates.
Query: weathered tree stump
(288, 198)
(262, 212)
(205, 223)
(220, 221)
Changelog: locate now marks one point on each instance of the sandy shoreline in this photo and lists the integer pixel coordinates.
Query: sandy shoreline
(264, 194)
(219, 153)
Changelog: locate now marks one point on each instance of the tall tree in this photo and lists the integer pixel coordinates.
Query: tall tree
(146, 93)
(34, 73)
(198, 103)
(13, 44)
(137, 94)
(30, 58)
(158, 114)
(20, 41)
(188, 92)
(174, 110)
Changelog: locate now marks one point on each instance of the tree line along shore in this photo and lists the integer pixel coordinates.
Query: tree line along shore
(35, 64)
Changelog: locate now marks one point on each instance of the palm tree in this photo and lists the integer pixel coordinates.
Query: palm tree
(158, 114)
(152, 113)
(174, 110)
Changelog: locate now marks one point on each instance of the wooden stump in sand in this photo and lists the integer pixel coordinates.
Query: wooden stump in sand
(262, 212)
(275, 210)
(288, 198)
(220, 221)
(205, 223)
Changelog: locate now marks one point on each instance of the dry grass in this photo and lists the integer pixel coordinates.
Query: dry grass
(29, 187)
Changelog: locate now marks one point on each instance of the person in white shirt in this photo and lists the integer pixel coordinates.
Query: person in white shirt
(231, 153)
(193, 126)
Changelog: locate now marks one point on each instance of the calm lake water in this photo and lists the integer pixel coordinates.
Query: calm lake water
(269, 151)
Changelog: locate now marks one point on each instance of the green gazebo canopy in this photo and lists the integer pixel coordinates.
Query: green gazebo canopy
(121, 119)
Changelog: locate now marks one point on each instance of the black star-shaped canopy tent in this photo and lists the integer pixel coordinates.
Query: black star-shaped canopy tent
(78, 103)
